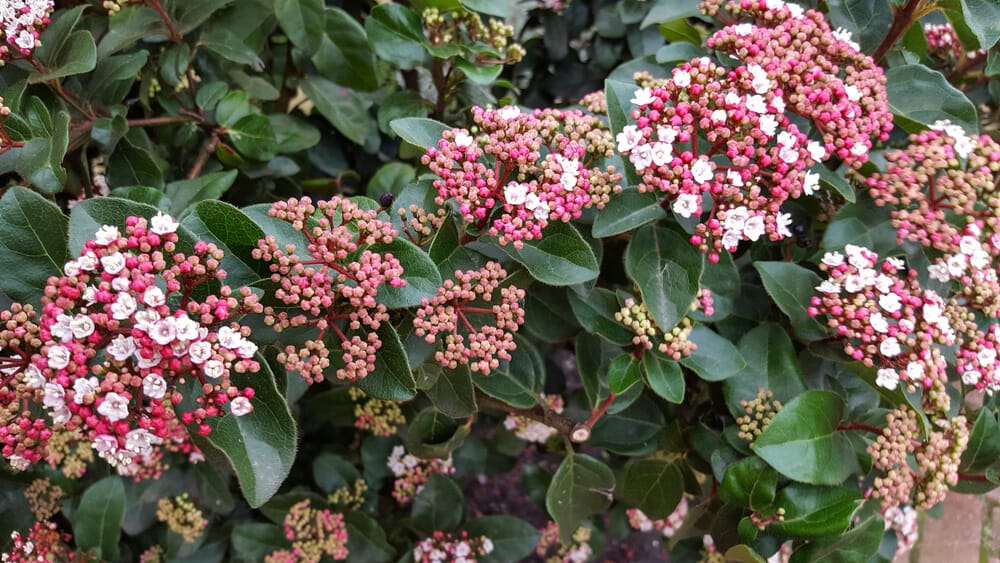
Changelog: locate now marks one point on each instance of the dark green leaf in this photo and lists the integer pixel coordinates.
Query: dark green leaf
(836, 182)
(433, 434)
(667, 271)
(867, 20)
(189, 14)
(391, 380)
(453, 393)
(343, 108)
(131, 165)
(623, 373)
(663, 375)
(791, 286)
(580, 488)
(516, 382)
(97, 521)
(91, 214)
(513, 539)
(396, 34)
(561, 257)
(253, 541)
(715, 357)
(772, 364)
(419, 131)
(669, 10)
(398, 105)
(983, 18)
(235, 234)
(802, 441)
(252, 137)
(128, 26)
(142, 194)
(627, 211)
(856, 546)
(292, 134)
(302, 21)
(813, 512)
(596, 313)
(345, 56)
(750, 483)
(654, 486)
(366, 539)
(184, 193)
(229, 46)
(984, 443)
(440, 506)
(421, 275)
(32, 244)
(919, 96)
(330, 471)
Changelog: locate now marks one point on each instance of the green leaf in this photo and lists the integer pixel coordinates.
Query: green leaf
(867, 20)
(856, 546)
(398, 105)
(253, 541)
(229, 46)
(561, 257)
(41, 158)
(619, 111)
(419, 271)
(260, 445)
(391, 380)
(623, 373)
(129, 25)
(812, 512)
(679, 52)
(667, 271)
(235, 234)
(715, 357)
(419, 131)
(834, 181)
(142, 194)
(919, 96)
(596, 313)
(479, 73)
(580, 488)
(591, 362)
(188, 15)
(97, 522)
(984, 443)
(627, 211)
(131, 165)
(516, 382)
(631, 428)
(802, 441)
(302, 21)
(749, 483)
(983, 18)
(366, 539)
(257, 88)
(91, 214)
(654, 486)
(669, 10)
(65, 52)
(453, 393)
(440, 506)
(184, 193)
(513, 539)
(345, 56)
(772, 364)
(792, 286)
(433, 434)
(664, 376)
(343, 108)
(396, 34)
(293, 134)
(547, 314)
(252, 137)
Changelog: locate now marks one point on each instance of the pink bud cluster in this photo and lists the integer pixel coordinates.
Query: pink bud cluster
(443, 547)
(129, 297)
(753, 161)
(943, 43)
(531, 430)
(473, 329)
(522, 171)
(21, 23)
(942, 174)
(44, 543)
(886, 319)
(412, 472)
(822, 72)
(667, 526)
(904, 521)
(315, 535)
(551, 550)
(332, 284)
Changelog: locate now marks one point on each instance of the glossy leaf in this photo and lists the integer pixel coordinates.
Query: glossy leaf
(750, 483)
(596, 313)
(513, 539)
(97, 521)
(439, 506)
(791, 286)
(627, 211)
(516, 382)
(667, 271)
(623, 373)
(391, 380)
(421, 275)
(561, 257)
(919, 96)
(303, 21)
(184, 193)
(714, 358)
(856, 546)
(654, 486)
(813, 512)
(983, 18)
(664, 376)
(453, 393)
(772, 364)
(33, 244)
(419, 131)
(396, 34)
(580, 488)
(235, 234)
(252, 137)
(366, 540)
(343, 108)
(344, 55)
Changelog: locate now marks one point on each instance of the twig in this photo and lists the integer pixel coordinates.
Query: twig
(902, 19)
(207, 150)
(171, 30)
(166, 120)
(565, 426)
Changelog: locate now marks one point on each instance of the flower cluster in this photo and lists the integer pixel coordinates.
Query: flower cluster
(531, 430)
(943, 43)
(21, 23)
(166, 357)
(943, 180)
(759, 412)
(904, 521)
(442, 547)
(182, 517)
(375, 415)
(314, 534)
(502, 183)
(886, 320)
(667, 526)
(420, 226)
(822, 73)
(937, 459)
(44, 498)
(449, 317)
(551, 550)
(754, 160)
(674, 343)
(349, 498)
(412, 472)
(44, 543)
(466, 27)
(332, 284)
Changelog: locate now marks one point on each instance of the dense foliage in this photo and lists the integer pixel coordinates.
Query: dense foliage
(442, 280)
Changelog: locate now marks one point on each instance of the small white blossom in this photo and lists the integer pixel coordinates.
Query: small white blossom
(811, 183)
(719, 116)
(33, 377)
(760, 82)
(200, 352)
(162, 224)
(641, 157)
(667, 134)
(687, 205)
(754, 227)
(732, 98)
(509, 112)
(756, 104)
(889, 347)
(887, 378)
(240, 406)
(878, 323)
(82, 326)
(731, 239)
(463, 139)
(141, 441)
(890, 302)
(782, 222)
(816, 151)
(54, 396)
(701, 171)
(662, 153)
(106, 235)
(736, 218)
(853, 92)
(114, 407)
(768, 124)
(165, 331)
(84, 387)
(113, 263)
(829, 287)
(845, 36)
(939, 272)
(682, 78)
(629, 138)
(743, 29)
(58, 356)
(734, 178)
(154, 386)
(213, 369)
(153, 297)
(971, 377)
(642, 97)
(833, 259)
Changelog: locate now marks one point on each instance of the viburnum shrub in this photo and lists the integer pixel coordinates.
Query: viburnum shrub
(562, 281)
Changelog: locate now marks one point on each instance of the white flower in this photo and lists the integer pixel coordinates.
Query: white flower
(113, 263)
(642, 97)
(845, 36)
(896, 262)
(54, 396)
(120, 284)
(141, 441)
(162, 224)
(743, 29)
(980, 259)
(641, 157)
(963, 144)
(858, 256)
(154, 297)
(213, 369)
(25, 40)
(915, 371)
(756, 104)
(82, 326)
(568, 180)
(541, 211)
(889, 347)
(859, 149)
(782, 222)
(701, 171)
(787, 139)
(106, 235)
(760, 82)
(956, 265)
(853, 92)
(463, 139)
(687, 205)
(853, 283)
(971, 377)
(768, 124)
(811, 183)
(667, 134)
(33, 377)
(778, 103)
(240, 406)
(247, 349)
(146, 320)
(734, 178)
(164, 332)
(754, 227)
(736, 218)
(887, 378)
(731, 239)
(662, 153)
(968, 245)
(829, 287)
(509, 112)
(788, 154)
(58, 356)
(60, 415)
(61, 328)
(878, 322)
(114, 407)
(71, 269)
(83, 388)
(682, 78)
(515, 193)
(154, 386)
(719, 116)
(938, 272)
(87, 262)
(883, 283)
(19, 463)
(889, 302)
(732, 98)
(229, 338)
(105, 444)
(187, 329)
(146, 363)
(816, 151)
(833, 259)
(986, 357)
(200, 352)
(629, 138)
(795, 10)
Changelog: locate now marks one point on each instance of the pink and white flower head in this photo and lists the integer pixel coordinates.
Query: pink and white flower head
(21, 24)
